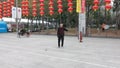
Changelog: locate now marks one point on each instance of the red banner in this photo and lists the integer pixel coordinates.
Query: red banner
(83, 8)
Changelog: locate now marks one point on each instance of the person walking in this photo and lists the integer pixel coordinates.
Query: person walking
(60, 35)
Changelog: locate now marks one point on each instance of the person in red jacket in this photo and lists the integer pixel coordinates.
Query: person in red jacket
(60, 35)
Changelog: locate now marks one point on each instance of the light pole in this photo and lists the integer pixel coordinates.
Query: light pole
(17, 18)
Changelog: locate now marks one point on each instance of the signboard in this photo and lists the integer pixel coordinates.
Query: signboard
(78, 6)
(19, 12)
(82, 23)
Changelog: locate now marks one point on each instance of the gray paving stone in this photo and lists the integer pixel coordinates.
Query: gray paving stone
(41, 51)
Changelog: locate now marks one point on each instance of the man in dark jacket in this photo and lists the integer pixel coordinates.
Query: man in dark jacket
(60, 34)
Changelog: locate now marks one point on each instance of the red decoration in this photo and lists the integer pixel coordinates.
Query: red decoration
(70, 9)
(51, 12)
(60, 10)
(59, 1)
(96, 3)
(107, 5)
(70, 4)
(51, 9)
(34, 10)
(12, 2)
(5, 9)
(41, 7)
(41, 0)
(0, 16)
(108, 1)
(60, 6)
(25, 8)
(9, 8)
(51, 3)
(0, 10)
(41, 13)
(34, 13)
(95, 7)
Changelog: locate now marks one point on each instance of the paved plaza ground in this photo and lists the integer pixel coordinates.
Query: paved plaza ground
(41, 51)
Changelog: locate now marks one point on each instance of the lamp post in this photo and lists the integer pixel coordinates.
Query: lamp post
(17, 18)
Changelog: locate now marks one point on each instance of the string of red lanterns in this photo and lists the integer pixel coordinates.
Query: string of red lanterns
(60, 10)
(34, 10)
(12, 2)
(6, 12)
(95, 7)
(25, 8)
(51, 9)
(8, 8)
(0, 10)
(4, 9)
(107, 4)
(70, 4)
(41, 7)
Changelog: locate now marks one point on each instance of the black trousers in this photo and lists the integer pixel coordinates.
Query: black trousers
(60, 40)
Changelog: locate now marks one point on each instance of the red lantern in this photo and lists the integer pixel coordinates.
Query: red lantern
(41, 0)
(4, 15)
(27, 13)
(108, 7)
(34, 10)
(8, 11)
(107, 4)
(0, 16)
(4, 3)
(8, 14)
(25, 7)
(34, 6)
(41, 13)
(60, 11)
(70, 4)
(108, 1)
(59, 2)
(41, 4)
(41, 8)
(23, 2)
(0, 6)
(96, 2)
(69, 0)
(0, 13)
(34, 2)
(34, 14)
(51, 12)
(60, 6)
(50, 3)
(4, 9)
(23, 13)
(0, 10)
(95, 7)
(70, 9)
(51, 9)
